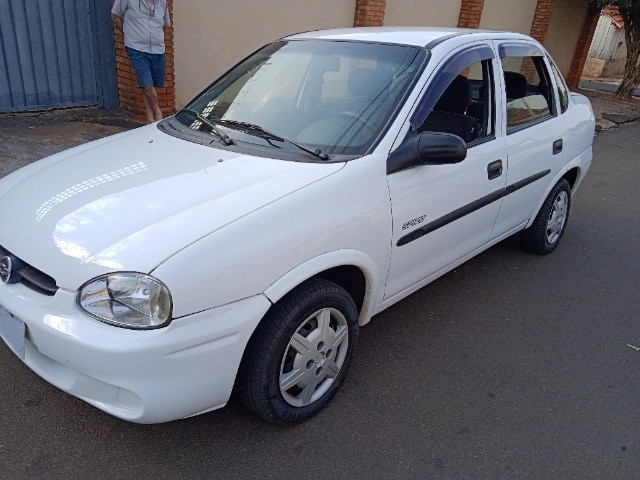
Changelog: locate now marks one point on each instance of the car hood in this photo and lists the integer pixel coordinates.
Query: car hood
(132, 202)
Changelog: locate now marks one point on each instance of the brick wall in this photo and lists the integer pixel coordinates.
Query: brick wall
(128, 90)
(369, 13)
(580, 55)
(470, 13)
(539, 29)
(541, 19)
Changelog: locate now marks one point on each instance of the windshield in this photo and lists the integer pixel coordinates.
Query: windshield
(329, 97)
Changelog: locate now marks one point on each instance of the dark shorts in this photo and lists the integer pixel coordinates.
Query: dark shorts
(150, 67)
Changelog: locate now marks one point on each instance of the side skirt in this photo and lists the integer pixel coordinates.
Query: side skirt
(408, 291)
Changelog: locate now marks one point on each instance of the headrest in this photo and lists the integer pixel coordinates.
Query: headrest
(363, 82)
(457, 97)
(515, 85)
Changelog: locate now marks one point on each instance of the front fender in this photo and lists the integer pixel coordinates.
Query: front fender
(349, 210)
(320, 263)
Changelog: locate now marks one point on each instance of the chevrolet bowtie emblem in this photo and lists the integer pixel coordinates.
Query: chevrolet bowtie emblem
(6, 266)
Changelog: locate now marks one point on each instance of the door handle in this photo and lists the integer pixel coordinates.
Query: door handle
(494, 169)
(557, 146)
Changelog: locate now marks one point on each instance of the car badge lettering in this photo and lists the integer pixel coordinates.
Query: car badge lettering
(414, 222)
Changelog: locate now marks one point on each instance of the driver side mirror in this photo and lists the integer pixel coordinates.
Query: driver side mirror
(427, 148)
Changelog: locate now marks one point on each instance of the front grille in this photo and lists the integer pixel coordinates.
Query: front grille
(31, 277)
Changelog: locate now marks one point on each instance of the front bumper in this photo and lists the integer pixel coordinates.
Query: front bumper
(148, 376)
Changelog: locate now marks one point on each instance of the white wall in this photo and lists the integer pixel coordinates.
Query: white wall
(428, 13)
(212, 36)
(566, 23)
(509, 15)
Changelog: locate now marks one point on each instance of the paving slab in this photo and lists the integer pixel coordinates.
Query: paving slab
(619, 118)
(611, 111)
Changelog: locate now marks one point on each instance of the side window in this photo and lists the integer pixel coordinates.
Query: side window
(466, 107)
(563, 90)
(527, 88)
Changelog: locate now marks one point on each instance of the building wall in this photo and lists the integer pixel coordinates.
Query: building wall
(369, 13)
(509, 15)
(212, 36)
(428, 13)
(566, 24)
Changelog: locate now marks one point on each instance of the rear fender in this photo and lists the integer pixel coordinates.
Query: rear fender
(582, 162)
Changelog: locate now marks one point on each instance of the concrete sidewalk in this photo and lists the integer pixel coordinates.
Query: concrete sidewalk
(26, 137)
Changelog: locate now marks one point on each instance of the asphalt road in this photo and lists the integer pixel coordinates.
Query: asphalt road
(512, 366)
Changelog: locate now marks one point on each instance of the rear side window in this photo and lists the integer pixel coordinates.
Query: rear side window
(528, 91)
(563, 90)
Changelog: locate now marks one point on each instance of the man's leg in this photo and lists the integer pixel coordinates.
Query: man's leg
(143, 64)
(151, 103)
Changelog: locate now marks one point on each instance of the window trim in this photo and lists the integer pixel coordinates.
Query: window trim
(559, 79)
(480, 141)
(443, 76)
(537, 121)
(546, 75)
(519, 50)
(490, 108)
(541, 64)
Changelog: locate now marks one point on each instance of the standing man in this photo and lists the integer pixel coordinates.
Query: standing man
(143, 28)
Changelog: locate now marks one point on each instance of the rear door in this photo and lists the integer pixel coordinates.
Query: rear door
(535, 132)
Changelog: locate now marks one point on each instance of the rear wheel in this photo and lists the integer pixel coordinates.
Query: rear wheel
(545, 232)
(299, 355)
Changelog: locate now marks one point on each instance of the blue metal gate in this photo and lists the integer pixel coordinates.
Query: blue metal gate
(56, 53)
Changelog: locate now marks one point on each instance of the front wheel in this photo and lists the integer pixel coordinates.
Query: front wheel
(300, 353)
(545, 232)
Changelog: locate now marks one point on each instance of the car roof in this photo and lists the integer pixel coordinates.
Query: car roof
(418, 36)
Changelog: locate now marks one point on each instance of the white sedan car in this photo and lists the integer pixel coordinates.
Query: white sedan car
(242, 242)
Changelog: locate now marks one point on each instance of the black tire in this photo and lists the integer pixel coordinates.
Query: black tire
(272, 354)
(544, 234)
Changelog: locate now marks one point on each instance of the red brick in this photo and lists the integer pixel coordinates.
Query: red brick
(582, 49)
(470, 13)
(369, 13)
(541, 19)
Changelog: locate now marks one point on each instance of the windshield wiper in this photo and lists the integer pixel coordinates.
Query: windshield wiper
(225, 139)
(262, 132)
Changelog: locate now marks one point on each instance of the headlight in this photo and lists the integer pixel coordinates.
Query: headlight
(128, 299)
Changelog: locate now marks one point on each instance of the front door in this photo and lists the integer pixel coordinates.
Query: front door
(442, 213)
